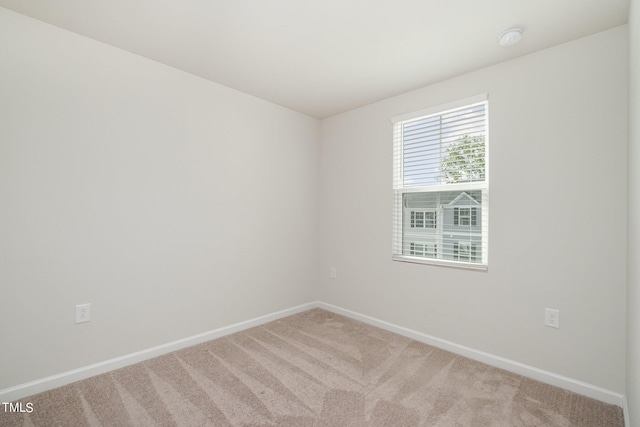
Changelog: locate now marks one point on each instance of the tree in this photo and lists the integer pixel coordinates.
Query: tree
(464, 161)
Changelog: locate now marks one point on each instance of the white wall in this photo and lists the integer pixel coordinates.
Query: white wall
(633, 292)
(172, 204)
(557, 215)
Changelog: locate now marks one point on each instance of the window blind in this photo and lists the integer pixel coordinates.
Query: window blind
(440, 166)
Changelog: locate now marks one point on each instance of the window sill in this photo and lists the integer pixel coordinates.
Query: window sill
(440, 262)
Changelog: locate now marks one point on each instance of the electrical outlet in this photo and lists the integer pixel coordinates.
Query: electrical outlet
(83, 313)
(552, 318)
(332, 272)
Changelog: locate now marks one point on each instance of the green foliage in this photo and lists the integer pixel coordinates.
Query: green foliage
(464, 161)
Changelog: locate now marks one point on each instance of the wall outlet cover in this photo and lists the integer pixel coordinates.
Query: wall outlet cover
(83, 313)
(552, 318)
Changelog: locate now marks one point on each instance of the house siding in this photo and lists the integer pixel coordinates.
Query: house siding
(447, 235)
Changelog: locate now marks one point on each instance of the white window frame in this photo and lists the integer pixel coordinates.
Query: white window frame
(425, 248)
(464, 251)
(413, 213)
(467, 217)
(481, 262)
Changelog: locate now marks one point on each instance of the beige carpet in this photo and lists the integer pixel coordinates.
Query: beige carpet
(312, 369)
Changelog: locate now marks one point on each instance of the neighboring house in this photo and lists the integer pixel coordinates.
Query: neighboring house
(443, 225)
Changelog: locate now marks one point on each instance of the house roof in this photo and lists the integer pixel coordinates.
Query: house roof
(462, 196)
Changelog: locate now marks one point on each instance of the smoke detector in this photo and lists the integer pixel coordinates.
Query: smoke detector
(510, 37)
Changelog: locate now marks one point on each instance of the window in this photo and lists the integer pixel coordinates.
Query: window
(440, 185)
(464, 251)
(423, 250)
(423, 219)
(465, 216)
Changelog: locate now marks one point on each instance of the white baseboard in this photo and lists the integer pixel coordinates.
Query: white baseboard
(625, 410)
(547, 377)
(28, 389)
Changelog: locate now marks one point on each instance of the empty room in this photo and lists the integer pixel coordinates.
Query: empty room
(304, 213)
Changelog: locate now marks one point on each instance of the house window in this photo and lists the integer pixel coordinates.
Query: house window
(465, 216)
(423, 250)
(440, 185)
(423, 219)
(464, 251)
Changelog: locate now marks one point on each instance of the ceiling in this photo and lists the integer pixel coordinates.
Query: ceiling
(325, 57)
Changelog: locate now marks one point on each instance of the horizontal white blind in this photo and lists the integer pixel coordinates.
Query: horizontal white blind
(440, 210)
(445, 149)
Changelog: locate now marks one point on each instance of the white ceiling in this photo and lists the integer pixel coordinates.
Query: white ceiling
(323, 57)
